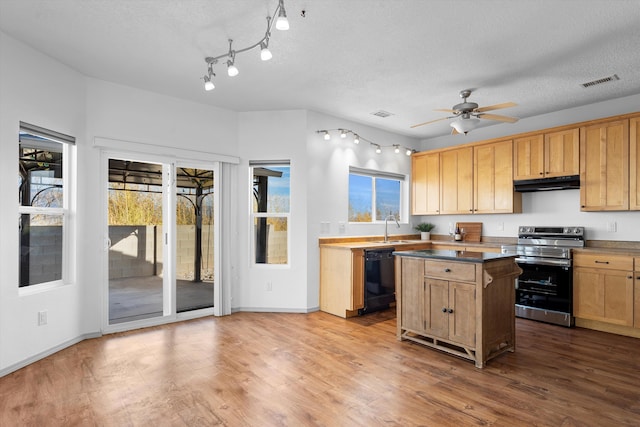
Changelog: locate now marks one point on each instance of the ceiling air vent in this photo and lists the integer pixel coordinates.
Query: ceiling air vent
(600, 81)
(382, 113)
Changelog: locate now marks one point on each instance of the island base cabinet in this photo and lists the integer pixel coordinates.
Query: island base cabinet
(471, 316)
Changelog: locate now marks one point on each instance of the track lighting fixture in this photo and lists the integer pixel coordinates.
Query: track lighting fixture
(281, 23)
(326, 133)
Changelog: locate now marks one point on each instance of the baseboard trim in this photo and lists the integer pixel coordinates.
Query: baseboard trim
(46, 353)
(274, 310)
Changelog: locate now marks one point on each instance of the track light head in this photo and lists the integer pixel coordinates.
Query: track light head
(282, 23)
(356, 139)
(265, 53)
(378, 149)
(408, 152)
(326, 135)
(232, 70)
(343, 133)
(208, 84)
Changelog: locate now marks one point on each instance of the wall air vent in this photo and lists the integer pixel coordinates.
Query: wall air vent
(382, 113)
(600, 81)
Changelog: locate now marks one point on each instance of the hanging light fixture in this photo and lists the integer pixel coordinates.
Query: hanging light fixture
(465, 124)
(281, 23)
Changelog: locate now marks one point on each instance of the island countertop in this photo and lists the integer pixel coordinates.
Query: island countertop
(464, 256)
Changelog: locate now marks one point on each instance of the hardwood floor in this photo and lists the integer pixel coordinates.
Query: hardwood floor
(276, 369)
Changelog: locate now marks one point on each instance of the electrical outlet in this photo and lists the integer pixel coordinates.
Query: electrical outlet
(501, 226)
(42, 318)
(269, 286)
(612, 227)
(342, 227)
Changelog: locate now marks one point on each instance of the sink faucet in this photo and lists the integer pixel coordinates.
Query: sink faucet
(386, 233)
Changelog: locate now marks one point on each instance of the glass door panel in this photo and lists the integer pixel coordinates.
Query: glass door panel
(135, 213)
(194, 239)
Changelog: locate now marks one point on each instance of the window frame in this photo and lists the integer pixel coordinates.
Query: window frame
(67, 145)
(253, 164)
(374, 175)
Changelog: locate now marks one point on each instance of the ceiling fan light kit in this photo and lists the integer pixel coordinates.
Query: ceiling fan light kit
(281, 23)
(469, 114)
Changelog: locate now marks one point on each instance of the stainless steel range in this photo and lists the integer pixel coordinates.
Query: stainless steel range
(544, 291)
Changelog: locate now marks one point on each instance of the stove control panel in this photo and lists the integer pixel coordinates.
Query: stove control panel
(544, 231)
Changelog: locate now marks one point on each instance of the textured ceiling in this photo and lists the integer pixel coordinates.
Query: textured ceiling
(350, 58)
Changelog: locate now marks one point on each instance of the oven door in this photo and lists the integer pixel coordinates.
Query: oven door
(545, 285)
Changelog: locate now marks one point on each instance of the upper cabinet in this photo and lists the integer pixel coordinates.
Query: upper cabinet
(425, 183)
(547, 155)
(604, 166)
(634, 163)
(493, 179)
(456, 181)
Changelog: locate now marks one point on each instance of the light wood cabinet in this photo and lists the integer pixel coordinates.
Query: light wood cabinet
(603, 288)
(462, 308)
(547, 155)
(634, 163)
(493, 179)
(341, 280)
(636, 293)
(604, 166)
(456, 181)
(425, 184)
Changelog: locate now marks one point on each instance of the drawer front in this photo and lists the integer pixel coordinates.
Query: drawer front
(461, 271)
(603, 260)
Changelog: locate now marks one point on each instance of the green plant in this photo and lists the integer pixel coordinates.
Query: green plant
(425, 226)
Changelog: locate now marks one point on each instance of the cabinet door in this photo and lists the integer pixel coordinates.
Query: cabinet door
(456, 181)
(604, 166)
(412, 294)
(636, 293)
(357, 279)
(493, 179)
(604, 295)
(528, 157)
(634, 159)
(462, 316)
(436, 307)
(425, 179)
(562, 153)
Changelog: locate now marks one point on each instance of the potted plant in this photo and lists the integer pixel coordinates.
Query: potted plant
(425, 230)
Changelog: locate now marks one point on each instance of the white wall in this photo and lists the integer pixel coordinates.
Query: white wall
(273, 135)
(328, 183)
(550, 207)
(38, 90)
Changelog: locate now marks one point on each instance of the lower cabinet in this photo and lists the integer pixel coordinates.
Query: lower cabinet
(603, 288)
(636, 292)
(462, 308)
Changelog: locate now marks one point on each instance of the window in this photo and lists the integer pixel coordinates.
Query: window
(374, 195)
(270, 211)
(43, 204)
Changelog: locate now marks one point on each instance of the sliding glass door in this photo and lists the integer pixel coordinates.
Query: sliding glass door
(161, 239)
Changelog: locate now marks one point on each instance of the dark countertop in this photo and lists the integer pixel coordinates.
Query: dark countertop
(465, 256)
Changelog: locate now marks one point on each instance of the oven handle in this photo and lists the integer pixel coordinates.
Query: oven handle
(538, 261)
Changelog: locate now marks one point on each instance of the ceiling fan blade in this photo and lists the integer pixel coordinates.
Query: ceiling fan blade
(495, 107)
(431, 121)
(498, 118)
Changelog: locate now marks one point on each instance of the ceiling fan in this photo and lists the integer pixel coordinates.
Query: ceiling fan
(469, 113)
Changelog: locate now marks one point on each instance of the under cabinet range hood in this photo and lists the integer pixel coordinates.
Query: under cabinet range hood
(547, 184)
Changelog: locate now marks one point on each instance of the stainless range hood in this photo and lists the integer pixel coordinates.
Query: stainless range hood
(547, 184)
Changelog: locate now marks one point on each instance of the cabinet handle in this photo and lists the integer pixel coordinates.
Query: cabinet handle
(444, 309)
(451, 310)
(638, 277)
(602, 262)
(629, 277)
(541, 173)
(447, 270)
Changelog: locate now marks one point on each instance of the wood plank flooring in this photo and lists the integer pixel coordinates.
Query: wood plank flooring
(277, 369)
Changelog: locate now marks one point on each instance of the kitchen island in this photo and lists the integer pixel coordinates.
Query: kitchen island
(459, 302)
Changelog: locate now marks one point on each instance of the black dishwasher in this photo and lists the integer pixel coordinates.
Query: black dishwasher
(379, 280)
